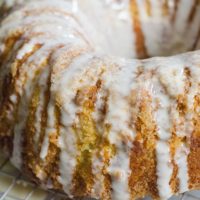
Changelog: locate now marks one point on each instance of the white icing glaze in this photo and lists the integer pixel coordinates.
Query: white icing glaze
(22, 111)
(121, 135)
(110, 18)
(67, 144)
(173, 78)
(90, 25)
(161, 103)
(181, 161)
(50, 129)
(164, 169)
(38, 115)
(67, 139)
(120, 86)
(119, 170)
(75, 76)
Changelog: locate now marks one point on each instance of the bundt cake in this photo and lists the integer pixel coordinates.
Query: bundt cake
(85, 106)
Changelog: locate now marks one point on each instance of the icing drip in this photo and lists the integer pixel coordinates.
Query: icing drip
(181, 160)
(121, 135)
(164, 170)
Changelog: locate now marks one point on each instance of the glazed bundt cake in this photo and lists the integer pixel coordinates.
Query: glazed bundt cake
(76, 118)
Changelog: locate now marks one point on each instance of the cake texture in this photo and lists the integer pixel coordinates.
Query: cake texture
(85, 106)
